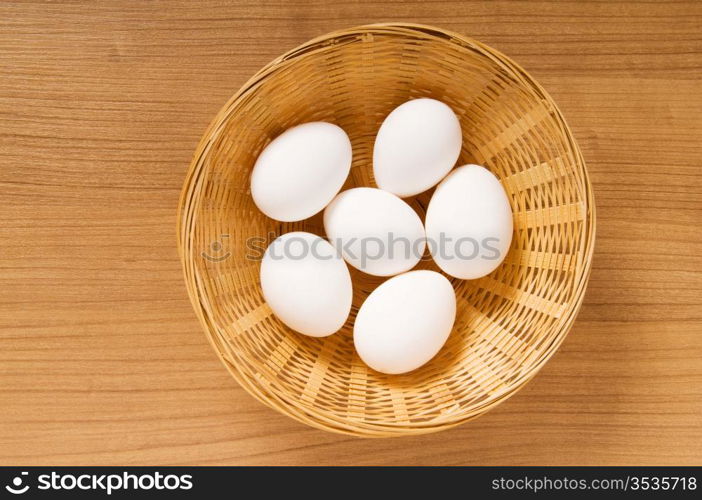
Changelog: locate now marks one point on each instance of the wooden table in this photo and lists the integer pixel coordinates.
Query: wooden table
(101, 358)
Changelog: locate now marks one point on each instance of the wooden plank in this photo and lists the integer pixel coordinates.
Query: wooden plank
(102, 360)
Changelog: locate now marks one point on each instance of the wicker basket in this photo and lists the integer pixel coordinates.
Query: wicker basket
(508, 324)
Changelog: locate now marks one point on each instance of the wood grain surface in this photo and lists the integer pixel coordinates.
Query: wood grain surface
(101, 358)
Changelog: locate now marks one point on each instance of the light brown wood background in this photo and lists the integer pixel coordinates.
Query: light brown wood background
(101, 358)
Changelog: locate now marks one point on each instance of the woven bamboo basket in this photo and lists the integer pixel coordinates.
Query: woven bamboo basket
(508, 324)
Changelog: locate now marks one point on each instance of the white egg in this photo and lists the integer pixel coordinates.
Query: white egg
(375, 231)
(469, 223)
(300, 171)
(405, 321)
(416, 146)
(306, 284)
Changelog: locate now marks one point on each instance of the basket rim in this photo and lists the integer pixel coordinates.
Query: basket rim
(322, 419)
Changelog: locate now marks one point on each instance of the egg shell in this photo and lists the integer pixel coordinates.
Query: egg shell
(417, 145)
(469, 223)
(375, 231)
(405, 321)
(306, 284)
(300, 171)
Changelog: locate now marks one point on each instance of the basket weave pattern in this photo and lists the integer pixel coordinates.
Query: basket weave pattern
(508, 324)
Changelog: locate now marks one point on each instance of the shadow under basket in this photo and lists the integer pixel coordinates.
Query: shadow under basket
(508, 324)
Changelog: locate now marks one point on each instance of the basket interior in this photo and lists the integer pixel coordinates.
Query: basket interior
(507, 323)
